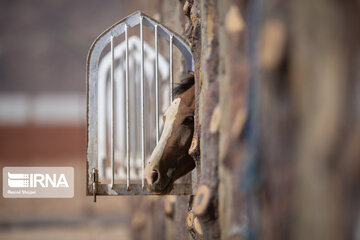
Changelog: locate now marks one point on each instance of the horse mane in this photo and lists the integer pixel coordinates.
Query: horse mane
(184, 85)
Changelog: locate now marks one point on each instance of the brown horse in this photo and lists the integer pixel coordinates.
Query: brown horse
(170, 159)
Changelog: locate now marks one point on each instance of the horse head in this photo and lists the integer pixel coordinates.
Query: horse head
(170, 159)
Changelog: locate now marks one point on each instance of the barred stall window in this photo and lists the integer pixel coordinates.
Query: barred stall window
(129, 85)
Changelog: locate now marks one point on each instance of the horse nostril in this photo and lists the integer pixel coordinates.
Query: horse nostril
(154, 176)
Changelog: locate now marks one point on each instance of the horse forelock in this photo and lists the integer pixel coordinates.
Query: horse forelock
(184, 85)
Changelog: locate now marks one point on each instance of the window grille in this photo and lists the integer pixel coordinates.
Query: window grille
(125, 98)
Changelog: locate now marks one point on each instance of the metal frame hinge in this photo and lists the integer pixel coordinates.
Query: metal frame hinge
(95, 181)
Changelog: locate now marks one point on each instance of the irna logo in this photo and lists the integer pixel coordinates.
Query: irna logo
(20, 180)
(38, 182)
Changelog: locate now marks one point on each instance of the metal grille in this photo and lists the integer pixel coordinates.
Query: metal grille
(103, 123)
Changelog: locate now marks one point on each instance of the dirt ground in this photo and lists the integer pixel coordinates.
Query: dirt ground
(55, 233)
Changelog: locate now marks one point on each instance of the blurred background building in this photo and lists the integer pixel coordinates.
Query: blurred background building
(43, 50)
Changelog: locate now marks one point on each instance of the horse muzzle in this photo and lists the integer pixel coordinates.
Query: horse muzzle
(157, 182)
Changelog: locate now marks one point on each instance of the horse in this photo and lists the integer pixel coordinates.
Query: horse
(170, 159)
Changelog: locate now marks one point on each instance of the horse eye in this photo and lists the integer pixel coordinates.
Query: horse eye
(188, 120)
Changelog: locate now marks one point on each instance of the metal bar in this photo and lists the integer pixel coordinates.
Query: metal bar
(157, 84)
(127, 110)
(171, 67)
(112, 115)
(136, 189)
(142, 105)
